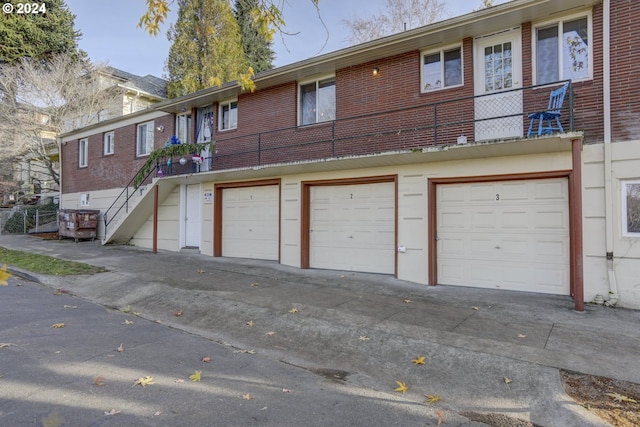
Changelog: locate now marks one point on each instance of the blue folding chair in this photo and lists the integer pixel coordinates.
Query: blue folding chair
(549, 119)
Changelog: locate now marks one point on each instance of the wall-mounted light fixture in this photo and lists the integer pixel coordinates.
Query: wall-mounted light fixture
(160, 129)
(376, 71)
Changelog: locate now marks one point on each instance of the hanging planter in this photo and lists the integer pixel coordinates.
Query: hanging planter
(168, 151)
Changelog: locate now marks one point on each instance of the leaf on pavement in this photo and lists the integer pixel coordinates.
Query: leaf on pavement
(407, 301)
(120, 349)
(293, 310)
(245, 351)
(440, 418)
(4, 276)
(432, 398)
(247, 396)
(507, 380)
(270, 333)
(201, 271)
(251, 323)
(112, 412)
(206, 359)
(57, 325)
(5, 344)
(364, 338)
(522, 336)
(128, 322)
(286, 390)
(419, 360)
(196, 376)
(617, 397)
(99, 381)
(178, 313)
(144, 381)
(402, 387)
(127, 309)
(69, 306)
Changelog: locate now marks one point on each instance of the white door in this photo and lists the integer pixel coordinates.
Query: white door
(498, 76)
(250, 222)
(192, 216)
(504, 235)
(352, 227)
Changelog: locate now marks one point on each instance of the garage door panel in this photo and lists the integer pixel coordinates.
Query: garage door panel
(518, 240)
(250, 222)
(352, 227)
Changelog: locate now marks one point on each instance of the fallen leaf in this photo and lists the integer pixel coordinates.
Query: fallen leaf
(127, 309)
(157, 321)
(155, 414)
(286, 390)
(521, 336)
(99, 381)
(440, 417)
(507, 380)
(432, 398)
(419, 360)
(206, 359)
(245, 351)
(137, 313)
(255, 284)
(57, 325)
(178, 313)
(251, 323)
(293, 310)
(70, 306)
(121, 348)
(5, 344)
(196, 376)
(112, 412)
(179, 381)
(617, 397)
(475, 308)
(201, 271)
(144, 381)
(270, 333)
(402, 387)
(128, 322)
(364, 338)
(247, 396)
(407, 301)
(4, 276)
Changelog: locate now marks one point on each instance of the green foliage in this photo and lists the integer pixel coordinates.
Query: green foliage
(161, 154)
(256, 42)
(43, 264)
(39, 36)
(15, 224)
(206, 47)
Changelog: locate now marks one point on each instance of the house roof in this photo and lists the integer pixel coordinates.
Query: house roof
(475, 24)
(149, 84)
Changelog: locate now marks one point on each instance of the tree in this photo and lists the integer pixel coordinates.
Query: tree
(255, 44)
(39, 36)
(485, 4)
(206, 47)
(400, 15)
(47, 99)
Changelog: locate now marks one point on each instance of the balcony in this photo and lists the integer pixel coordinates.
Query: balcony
(485, 118)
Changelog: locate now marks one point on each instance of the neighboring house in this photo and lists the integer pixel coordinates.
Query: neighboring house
(132, 93)
(408, 156)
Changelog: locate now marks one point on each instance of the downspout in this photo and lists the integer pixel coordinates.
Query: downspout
(59, 142)
(608, 185)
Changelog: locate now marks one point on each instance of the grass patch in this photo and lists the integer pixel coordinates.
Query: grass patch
(43, 264)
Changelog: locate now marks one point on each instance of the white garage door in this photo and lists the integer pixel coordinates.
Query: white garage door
(506, 235)
(250, 222)
(352, 227)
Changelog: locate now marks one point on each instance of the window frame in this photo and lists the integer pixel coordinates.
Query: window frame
(109, 141)
(624, 207)
(83, 152)
(188, 121)
(317, 81)
(221, 105)
(441, 51)
(149, 131)
(559, 22)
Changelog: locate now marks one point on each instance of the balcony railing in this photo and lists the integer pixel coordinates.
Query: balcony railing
(470, 119)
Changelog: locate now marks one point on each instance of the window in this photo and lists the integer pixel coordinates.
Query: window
(563, 50)
(318, 101)
(228, 115)
(183, 128)
(83, 153)
(108, 143)
(144, 142)
(442, 69)
(631, 208)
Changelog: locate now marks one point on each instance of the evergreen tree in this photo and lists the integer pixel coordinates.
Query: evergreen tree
(257, 48)
(206, 47)
(39, 36)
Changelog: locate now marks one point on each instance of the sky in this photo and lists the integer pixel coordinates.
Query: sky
(111, 37)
